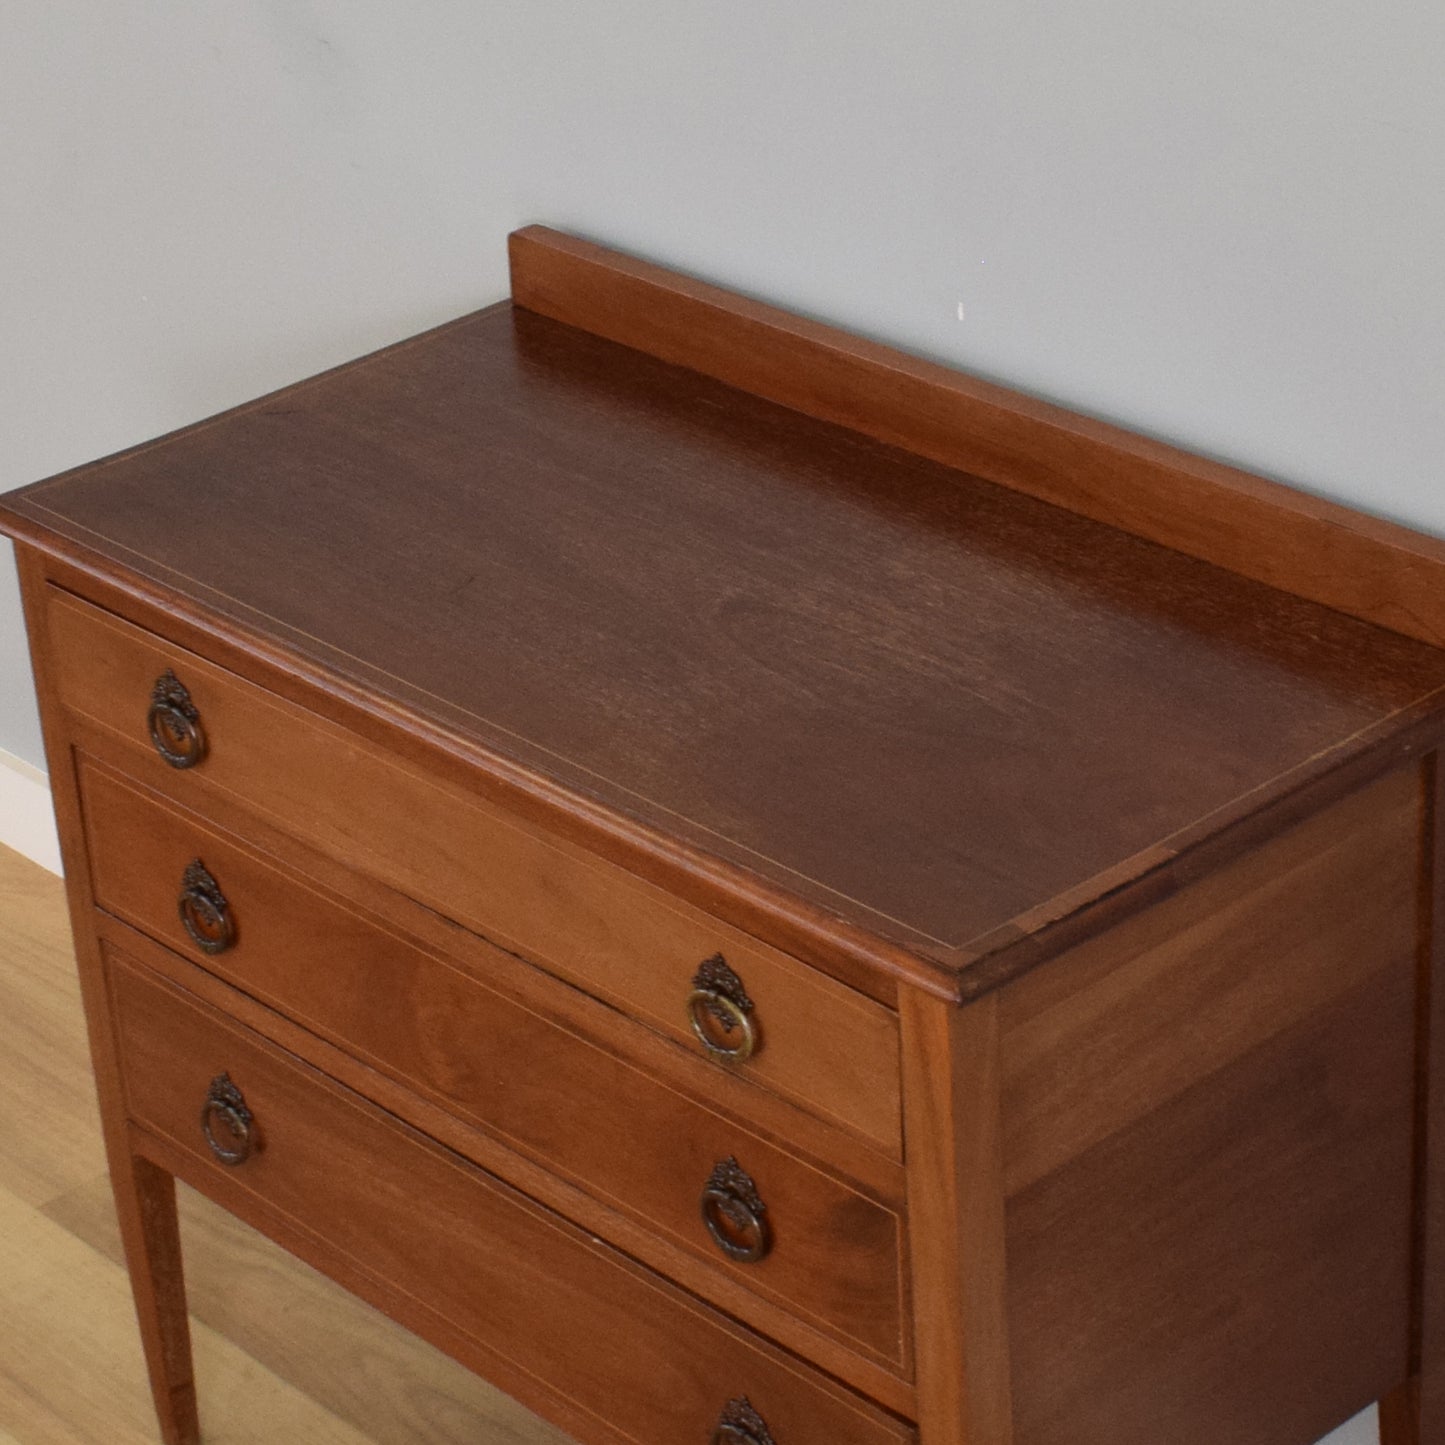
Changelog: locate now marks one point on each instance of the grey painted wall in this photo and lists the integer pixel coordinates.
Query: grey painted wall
(19, 721)
(1222, 224)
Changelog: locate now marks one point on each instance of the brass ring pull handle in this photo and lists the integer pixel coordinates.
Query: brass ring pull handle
(719, 1007)
(174, 723)
(225, 1105)
(204, 911)
(734, 1213)
(741, 1425)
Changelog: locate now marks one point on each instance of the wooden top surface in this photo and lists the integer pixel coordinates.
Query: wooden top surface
(938, 709)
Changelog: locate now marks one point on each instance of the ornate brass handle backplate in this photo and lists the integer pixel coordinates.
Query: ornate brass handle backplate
(740, 1424)
(234, 1140)
(735, 1213)
(175, 724)
(204, 911)
(719, 1007)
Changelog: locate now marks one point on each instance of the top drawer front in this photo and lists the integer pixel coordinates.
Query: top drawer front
(819, 1043)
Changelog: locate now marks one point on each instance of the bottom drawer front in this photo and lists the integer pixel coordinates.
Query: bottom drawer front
(612, 1340)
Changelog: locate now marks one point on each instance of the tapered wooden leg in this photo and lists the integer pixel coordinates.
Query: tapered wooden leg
(145, 1201)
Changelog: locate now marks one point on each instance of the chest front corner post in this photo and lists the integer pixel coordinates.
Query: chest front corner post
(1414, 1414)
(144, 1194)
(953, 1153)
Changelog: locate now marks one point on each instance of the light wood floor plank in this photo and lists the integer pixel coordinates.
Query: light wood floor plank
(315, 1335)
(70, 1361)
(281, 1352)
(49, 1134)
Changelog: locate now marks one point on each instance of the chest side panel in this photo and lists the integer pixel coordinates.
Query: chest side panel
(1207, 1143)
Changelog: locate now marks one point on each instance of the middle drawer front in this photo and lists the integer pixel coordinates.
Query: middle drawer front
(571, 1325)
(832, 1254)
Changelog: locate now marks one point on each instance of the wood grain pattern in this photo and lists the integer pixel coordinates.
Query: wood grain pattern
(1119, 1027)
(536, 1299)
(680, 1066)
(669, 858)
(824, 1046)
(794, 1331)
(918, 704)
(1362, 565)
(640, 1146)
(955, 1209)
(1235, 1266)
(1210, 1214)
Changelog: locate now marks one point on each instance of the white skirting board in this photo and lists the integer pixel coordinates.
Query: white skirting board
(26, 822)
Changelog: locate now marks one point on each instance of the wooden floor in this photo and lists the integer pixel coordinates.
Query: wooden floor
(281, 1354)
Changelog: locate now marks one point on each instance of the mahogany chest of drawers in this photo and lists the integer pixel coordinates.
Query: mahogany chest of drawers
(759, 891)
